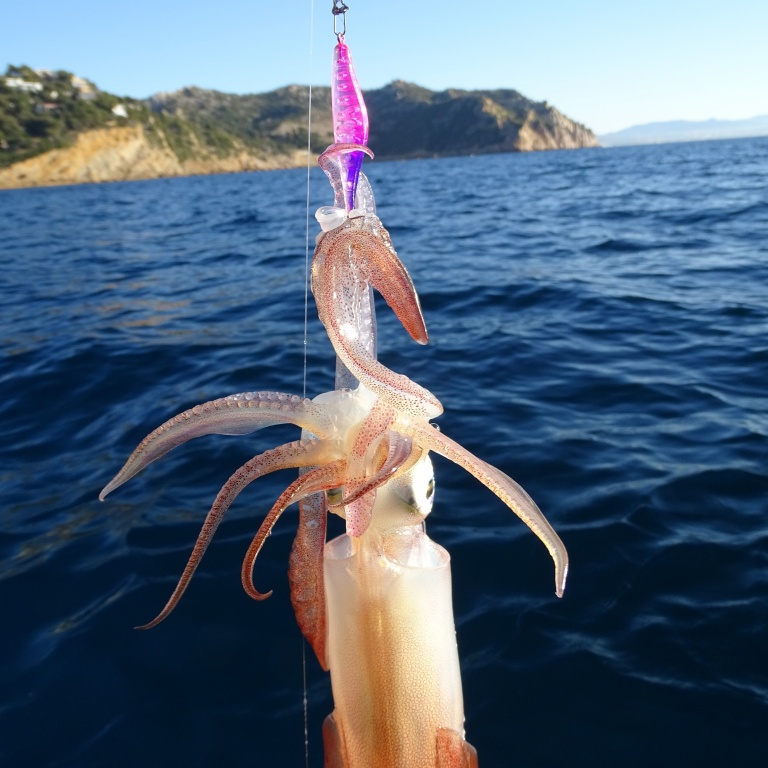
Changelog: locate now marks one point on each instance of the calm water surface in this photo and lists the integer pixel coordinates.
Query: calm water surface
(599, 330)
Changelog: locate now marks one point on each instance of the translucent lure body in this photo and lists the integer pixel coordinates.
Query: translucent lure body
(350, 117)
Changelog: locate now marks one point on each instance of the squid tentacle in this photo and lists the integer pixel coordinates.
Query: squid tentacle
(365, 243)
(305, 573)
(388, 275)
(402, 454)
(358, 506)
(359, 512)
(319, 479)
(512, 494)
(370, 434)
(300, 453)
(233, 415)
(347, 260)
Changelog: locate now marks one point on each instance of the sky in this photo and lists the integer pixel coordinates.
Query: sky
(606, 64)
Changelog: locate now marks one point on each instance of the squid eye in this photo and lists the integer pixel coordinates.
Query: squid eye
(431, 488)
(335, 496)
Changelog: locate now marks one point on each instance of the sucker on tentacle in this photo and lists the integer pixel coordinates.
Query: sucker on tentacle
(232, 415)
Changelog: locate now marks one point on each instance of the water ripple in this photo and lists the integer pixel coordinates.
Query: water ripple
(598, 325)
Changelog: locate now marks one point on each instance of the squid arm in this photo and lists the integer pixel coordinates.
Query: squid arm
(233, 415)
(321, 478)
(369, 437)
(512, 494)
(305, 573)
(401, 455)
(301, 453)
(348, 260)
(318, 479)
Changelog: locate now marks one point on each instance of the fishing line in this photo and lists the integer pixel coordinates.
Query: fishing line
(306, 324)
(309, 168)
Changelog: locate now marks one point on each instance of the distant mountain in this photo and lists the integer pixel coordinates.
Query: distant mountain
(57, 128)
(686, 130)
(406, 120)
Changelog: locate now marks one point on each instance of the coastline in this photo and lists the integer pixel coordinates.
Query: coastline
(127, 154)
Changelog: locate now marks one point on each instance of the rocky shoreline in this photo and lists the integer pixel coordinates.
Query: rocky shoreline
(126, 154)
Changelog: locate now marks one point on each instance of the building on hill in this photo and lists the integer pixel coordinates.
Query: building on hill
(19, 84)
(84, 89)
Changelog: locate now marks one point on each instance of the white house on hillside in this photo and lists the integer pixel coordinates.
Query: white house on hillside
(19, 84)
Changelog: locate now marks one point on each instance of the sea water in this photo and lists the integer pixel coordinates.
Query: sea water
(598, 327)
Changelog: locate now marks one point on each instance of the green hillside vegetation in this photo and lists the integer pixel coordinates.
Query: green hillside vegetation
(49, 109)
(273, 123)
(42, 110)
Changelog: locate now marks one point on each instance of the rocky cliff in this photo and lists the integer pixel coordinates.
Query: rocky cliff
(410, 121)
(196, 131)
(124, 153)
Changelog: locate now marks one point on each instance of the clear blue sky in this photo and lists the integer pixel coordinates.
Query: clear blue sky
(606, 64)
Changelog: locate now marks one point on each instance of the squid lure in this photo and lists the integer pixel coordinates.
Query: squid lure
(350, 118)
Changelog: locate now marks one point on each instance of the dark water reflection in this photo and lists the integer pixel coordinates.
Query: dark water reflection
(598, 325)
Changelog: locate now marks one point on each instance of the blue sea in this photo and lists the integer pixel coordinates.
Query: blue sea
(599, 330)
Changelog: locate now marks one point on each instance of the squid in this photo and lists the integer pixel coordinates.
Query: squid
(374, 603)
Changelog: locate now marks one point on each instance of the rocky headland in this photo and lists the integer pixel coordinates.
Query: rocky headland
(56, 128)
